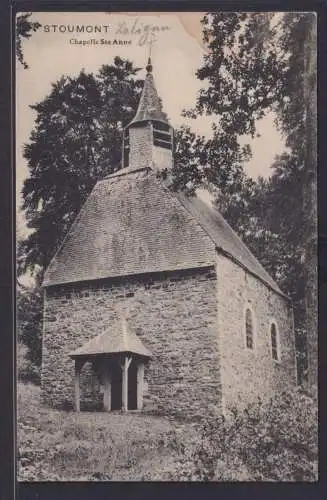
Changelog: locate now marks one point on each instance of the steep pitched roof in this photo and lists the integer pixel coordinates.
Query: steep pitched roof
(117, 339)
(133, 224)
(224, 237)
(150, 106)
(130, 224)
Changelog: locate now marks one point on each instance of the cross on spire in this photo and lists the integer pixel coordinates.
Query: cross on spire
(152, 40)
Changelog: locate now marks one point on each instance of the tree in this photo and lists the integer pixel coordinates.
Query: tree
(24, 29)
(29, 312)
(258, 63)
(76, 141)
(310, 200)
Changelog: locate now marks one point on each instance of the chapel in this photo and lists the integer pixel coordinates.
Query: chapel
(153, 303)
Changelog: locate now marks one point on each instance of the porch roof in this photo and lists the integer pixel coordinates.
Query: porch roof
(117, 339)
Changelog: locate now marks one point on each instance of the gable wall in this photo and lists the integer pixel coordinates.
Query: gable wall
(246, 373)
(176, 318)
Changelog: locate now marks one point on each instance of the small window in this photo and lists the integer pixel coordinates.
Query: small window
(274, 342)
(249, 328)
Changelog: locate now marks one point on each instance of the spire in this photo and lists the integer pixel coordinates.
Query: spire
(150, 107)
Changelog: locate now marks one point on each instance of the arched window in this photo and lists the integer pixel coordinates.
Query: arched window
(249, 329)
(274, 342)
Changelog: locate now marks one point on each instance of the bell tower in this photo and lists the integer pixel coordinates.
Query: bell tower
(148, 138)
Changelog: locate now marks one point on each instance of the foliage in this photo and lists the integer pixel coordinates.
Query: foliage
(257, 64)
(277, 441)
(76, 141)
(254, 67)
(24, 29)
(273, 442)
(27, 371)
(29, 302)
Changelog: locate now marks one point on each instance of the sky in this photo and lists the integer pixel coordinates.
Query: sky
(176, 54)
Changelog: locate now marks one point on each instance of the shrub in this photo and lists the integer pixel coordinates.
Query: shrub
(27, 371)
(29, 305)
(277, 441)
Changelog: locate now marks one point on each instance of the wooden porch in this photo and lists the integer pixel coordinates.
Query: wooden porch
(119, 357)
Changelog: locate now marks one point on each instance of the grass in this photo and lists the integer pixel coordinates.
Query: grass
(66, 446)
(272, 442)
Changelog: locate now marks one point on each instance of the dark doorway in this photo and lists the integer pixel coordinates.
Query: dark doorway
(132, 386)
(116, 386)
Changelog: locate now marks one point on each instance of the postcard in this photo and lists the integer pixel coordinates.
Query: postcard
(166, 199)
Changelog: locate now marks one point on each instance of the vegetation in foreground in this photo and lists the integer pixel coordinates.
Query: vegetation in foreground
(89, 446)
(277, 442)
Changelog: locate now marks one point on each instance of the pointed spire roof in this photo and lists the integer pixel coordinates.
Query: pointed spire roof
(117, 339)
(150, 107)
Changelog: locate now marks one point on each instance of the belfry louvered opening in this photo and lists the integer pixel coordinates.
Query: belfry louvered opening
(162, 135)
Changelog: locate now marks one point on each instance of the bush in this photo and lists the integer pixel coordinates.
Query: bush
(277, 441)
(29, 322)
(27, 371)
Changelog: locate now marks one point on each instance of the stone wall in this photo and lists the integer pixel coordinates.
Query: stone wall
(144, 153)
(175, 315)
(140, 146)
(162, 158)
(245, 373)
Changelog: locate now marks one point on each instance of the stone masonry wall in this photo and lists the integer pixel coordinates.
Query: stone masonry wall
(246, 373)
(140, 146)
(162, 158)
(174, 315)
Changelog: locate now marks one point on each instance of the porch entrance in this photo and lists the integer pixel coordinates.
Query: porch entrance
(119, 356)
(117, 387)
(132, 387)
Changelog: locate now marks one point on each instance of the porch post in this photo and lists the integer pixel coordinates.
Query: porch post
(140, 382)
(125, 366)
(78, 367)
(107, 388)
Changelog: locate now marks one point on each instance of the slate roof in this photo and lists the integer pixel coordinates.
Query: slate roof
(130, 224)
(225, 238)
(117, 339)
(133, 224)
(150, 106)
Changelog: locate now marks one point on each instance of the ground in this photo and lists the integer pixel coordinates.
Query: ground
(61, 446)
(274, 442)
